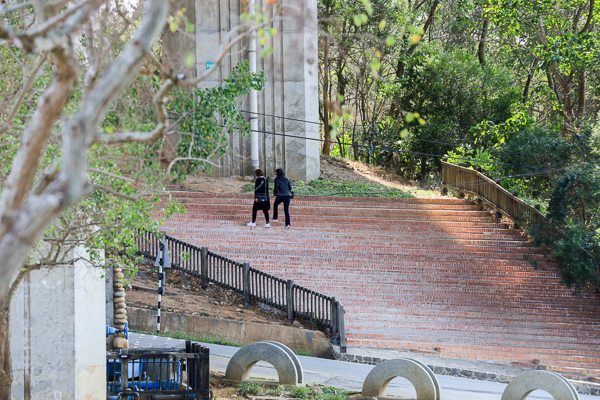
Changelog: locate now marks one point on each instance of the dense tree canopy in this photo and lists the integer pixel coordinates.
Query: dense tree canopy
(510, 81)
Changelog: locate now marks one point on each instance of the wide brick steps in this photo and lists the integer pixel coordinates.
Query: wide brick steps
(435, 275)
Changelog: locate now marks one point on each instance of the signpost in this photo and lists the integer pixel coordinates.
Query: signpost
(162, 261)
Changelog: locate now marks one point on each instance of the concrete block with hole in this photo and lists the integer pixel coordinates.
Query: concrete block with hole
(556, 385)
(290, 352)
(239, 366)
(417, 373)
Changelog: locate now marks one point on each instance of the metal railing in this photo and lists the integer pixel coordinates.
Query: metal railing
(139, 374)
(253, 284)
(473, 182)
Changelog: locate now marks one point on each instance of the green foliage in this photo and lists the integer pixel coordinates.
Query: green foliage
(276, 391)
(329, 393)
(578, 256)
(475, 158)
(302, 352)
(453, 94)
(190, 336)
(250, 388)
(302, 392)
(207, 116)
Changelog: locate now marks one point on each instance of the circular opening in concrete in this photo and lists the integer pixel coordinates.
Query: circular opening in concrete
(262, 371)
(539, 394)
(399, 388)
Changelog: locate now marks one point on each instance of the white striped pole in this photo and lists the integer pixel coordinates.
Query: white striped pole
(160, 285)
(162, 261)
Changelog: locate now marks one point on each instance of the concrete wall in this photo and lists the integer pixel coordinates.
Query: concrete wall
(291, 89)
(242, 332)
(57, 323)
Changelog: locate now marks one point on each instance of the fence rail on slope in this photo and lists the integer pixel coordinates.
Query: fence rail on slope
(253, 284)
(474, 182)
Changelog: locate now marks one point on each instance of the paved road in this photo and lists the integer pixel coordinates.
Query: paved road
(346, 375)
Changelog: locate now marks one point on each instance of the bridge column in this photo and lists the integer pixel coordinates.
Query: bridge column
(291, 88)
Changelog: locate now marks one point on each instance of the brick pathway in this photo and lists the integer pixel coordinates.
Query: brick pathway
(433, 275)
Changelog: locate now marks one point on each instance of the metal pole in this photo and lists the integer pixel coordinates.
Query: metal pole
(341, 328)
(290, 300)
(204, 267)
(161, 282)
(246, 283)
(253, 94)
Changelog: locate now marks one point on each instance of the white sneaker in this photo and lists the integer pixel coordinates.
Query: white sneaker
(287, 226)
(274, 220)
(251, 224)
(267, 225)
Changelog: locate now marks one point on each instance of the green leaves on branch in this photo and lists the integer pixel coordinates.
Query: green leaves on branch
(360, 19)
(207, 116)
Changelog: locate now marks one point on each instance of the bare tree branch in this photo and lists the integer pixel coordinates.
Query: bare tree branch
(129, 137)
(21, 96)
(47, 177)
(123, 178)
(25, 164)
(23, 218)
(57, 19)
(7, 10)
(81, 130)
(115, 193)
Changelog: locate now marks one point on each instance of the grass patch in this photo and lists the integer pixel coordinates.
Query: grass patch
(189, 336)
(250, 388)
(325, 393)
(341, 189)
(302, 352)
(347, 189)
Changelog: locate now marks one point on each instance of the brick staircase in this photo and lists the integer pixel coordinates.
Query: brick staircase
(432, 275)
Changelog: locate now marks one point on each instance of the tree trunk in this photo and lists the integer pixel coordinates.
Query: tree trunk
(5, 360)
(581, 93)
(483, 41)
(326, 130)
(400, 67)
(527, 87)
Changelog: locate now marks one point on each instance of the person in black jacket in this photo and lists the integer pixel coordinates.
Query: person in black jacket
(283, 194)
(261, 198)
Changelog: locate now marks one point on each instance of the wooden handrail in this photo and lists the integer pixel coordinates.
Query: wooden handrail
(474, 182)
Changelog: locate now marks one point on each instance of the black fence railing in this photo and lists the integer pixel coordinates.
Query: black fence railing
(253, 284)
(139, 374)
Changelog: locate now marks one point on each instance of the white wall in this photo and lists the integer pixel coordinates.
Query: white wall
(57, 323)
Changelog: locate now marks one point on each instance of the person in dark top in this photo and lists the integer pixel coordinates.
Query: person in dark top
(261, 198)
(283, 194)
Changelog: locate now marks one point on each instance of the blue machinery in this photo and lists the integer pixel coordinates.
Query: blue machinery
(157, 374)
(114, 331)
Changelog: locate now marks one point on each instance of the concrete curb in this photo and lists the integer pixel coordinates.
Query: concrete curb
(241, 332)
(580, 386)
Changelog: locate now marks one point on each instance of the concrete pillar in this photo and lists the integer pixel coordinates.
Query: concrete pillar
(58, 319)
(180, 44)
(291, 88)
